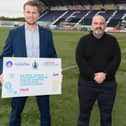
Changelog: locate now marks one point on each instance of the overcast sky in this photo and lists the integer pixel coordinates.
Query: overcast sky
(11, 8)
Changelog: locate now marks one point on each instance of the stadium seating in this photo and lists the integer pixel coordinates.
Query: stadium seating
(83, 17)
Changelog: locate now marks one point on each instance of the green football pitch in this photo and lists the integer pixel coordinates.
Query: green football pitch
(64, 107)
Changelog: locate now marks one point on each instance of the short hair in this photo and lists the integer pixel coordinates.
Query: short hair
(35, 3)
(99, 16)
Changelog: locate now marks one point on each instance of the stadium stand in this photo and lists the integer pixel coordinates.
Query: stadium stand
(78, 13)
(80, 2)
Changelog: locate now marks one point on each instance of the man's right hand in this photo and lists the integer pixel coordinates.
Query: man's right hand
(1, 78)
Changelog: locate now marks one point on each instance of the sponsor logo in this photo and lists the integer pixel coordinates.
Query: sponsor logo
(35, 65)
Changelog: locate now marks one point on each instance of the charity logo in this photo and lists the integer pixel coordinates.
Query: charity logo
(9, 88)
(9, 64)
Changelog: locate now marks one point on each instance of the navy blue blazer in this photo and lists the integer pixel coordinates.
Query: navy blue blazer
(15, 44)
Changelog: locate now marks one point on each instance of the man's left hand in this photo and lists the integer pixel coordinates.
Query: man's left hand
(100, 77)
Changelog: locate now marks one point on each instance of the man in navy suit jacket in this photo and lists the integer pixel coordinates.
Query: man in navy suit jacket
(29, 40)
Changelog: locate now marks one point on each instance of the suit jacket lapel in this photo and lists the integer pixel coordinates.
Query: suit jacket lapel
(23, 41)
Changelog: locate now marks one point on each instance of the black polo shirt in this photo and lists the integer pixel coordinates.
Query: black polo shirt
(98, 55)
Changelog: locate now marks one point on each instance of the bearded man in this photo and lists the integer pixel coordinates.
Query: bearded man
(98, 58)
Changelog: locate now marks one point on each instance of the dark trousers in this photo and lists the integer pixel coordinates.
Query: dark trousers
(89, 92)
(17, 105)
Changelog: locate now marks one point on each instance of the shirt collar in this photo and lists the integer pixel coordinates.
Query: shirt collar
(27, 29)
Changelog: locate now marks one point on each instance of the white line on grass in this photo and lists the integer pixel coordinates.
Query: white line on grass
(69, 67)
